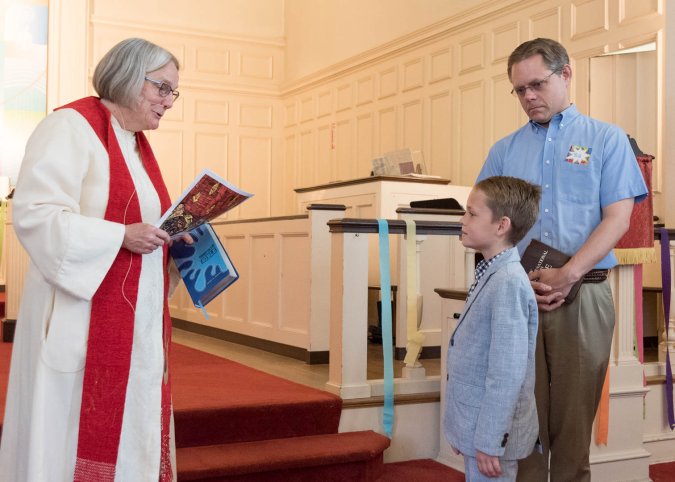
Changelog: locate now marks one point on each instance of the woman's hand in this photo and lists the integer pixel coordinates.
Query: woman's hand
(142, 238)
(185, 237)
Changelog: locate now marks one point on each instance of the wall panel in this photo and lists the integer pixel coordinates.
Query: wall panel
(294, 287)
(343, 148)
(547, 23)
(255, 166)
(438, 159)
(471, 138)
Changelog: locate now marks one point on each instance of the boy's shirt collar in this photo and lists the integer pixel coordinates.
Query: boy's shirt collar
(482, 267)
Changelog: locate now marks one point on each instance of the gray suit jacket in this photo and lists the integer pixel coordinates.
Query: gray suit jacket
(489, 402)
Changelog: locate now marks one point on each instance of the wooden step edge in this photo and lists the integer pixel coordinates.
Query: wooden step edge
(195, 463)
(404, 399)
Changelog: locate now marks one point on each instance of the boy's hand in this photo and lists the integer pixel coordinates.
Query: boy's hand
(488, 464)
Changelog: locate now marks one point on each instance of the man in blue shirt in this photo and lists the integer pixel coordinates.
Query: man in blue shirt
(590, 180)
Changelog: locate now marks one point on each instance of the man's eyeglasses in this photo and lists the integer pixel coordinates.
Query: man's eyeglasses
(535, 86)
(164, 88)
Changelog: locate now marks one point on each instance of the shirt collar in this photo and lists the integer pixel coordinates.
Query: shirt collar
(564, 118)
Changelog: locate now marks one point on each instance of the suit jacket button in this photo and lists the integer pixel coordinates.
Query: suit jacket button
(505, 439)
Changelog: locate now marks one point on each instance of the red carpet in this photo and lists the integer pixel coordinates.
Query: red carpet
(215, 401)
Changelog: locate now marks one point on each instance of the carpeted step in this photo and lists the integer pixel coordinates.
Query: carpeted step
(353, 456)
(218, 401)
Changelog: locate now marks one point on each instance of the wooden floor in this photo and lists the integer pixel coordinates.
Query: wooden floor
(298, 371)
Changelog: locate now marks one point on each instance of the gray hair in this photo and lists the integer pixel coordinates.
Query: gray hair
(120, 74)
(553, 53)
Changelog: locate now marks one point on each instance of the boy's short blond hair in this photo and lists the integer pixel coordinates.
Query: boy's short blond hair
(514, 198)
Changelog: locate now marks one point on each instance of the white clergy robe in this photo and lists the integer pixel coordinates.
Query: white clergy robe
(59, 206)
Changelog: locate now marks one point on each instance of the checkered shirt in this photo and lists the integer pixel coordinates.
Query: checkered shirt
(481, 269)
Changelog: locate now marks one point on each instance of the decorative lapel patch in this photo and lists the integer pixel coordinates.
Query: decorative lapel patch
(578, 155)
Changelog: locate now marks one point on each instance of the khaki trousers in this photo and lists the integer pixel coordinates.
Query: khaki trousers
(573, 346)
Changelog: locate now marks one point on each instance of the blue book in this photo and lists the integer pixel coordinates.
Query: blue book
(205, 267)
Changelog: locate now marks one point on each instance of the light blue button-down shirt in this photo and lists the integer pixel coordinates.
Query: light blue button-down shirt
(582, 165)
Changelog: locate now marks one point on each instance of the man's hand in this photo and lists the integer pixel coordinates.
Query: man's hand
(488, 465)
(142, 238)
(550, 286)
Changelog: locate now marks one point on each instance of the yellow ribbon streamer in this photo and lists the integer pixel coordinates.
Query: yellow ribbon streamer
(413, 314)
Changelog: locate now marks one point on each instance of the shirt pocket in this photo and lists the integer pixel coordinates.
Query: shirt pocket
(575, 183)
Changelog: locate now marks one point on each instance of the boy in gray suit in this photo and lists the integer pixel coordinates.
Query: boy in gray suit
(490, 411)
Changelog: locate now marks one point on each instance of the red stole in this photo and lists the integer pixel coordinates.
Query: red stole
(111, 327)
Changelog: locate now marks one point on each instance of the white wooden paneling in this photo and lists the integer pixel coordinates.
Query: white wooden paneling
(387, 130)
(413, 124)
(546, 23)
(438, 159)
(167, 146)
(388, 82)
(440, 65)
(342, 147)
(264, 294)
(364, 144)
(589, 17)
(307, 158)
(322, 161)
(256, 66)
(344, 97)
(471, 54)
(294, 288)
(413, 74)
(471, 138)
(211, 111)
(215, 61)
(504, 39)
(255, 166)
(630, 10)
(365, 90)
(306, 108)
(255, 115)
(325, 103)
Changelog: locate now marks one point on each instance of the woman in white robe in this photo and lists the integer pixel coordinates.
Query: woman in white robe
(59, 215)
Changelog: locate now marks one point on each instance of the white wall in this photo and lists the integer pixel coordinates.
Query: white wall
(320, 33)
(248, 18)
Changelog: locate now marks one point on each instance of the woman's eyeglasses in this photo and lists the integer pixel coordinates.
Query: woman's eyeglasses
(164, 88)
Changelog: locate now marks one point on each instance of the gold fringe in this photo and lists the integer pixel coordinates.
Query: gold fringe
(636, 255)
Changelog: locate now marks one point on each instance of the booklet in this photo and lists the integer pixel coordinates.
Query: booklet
(539, 255)
(206, 198)
(204, 265)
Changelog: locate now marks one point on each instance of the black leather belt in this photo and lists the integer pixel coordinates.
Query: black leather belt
(596, 276)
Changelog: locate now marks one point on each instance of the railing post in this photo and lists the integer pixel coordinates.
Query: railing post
(347, 374)
(320, 242)
(622, 278)
(415, 370)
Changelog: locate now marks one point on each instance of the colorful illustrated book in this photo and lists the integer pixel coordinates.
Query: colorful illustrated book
(206, 198)
(205, 267)
(539, 255)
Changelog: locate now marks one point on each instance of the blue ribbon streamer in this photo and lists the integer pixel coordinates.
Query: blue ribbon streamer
(387, 350)
(199, 305)
(666, 284)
